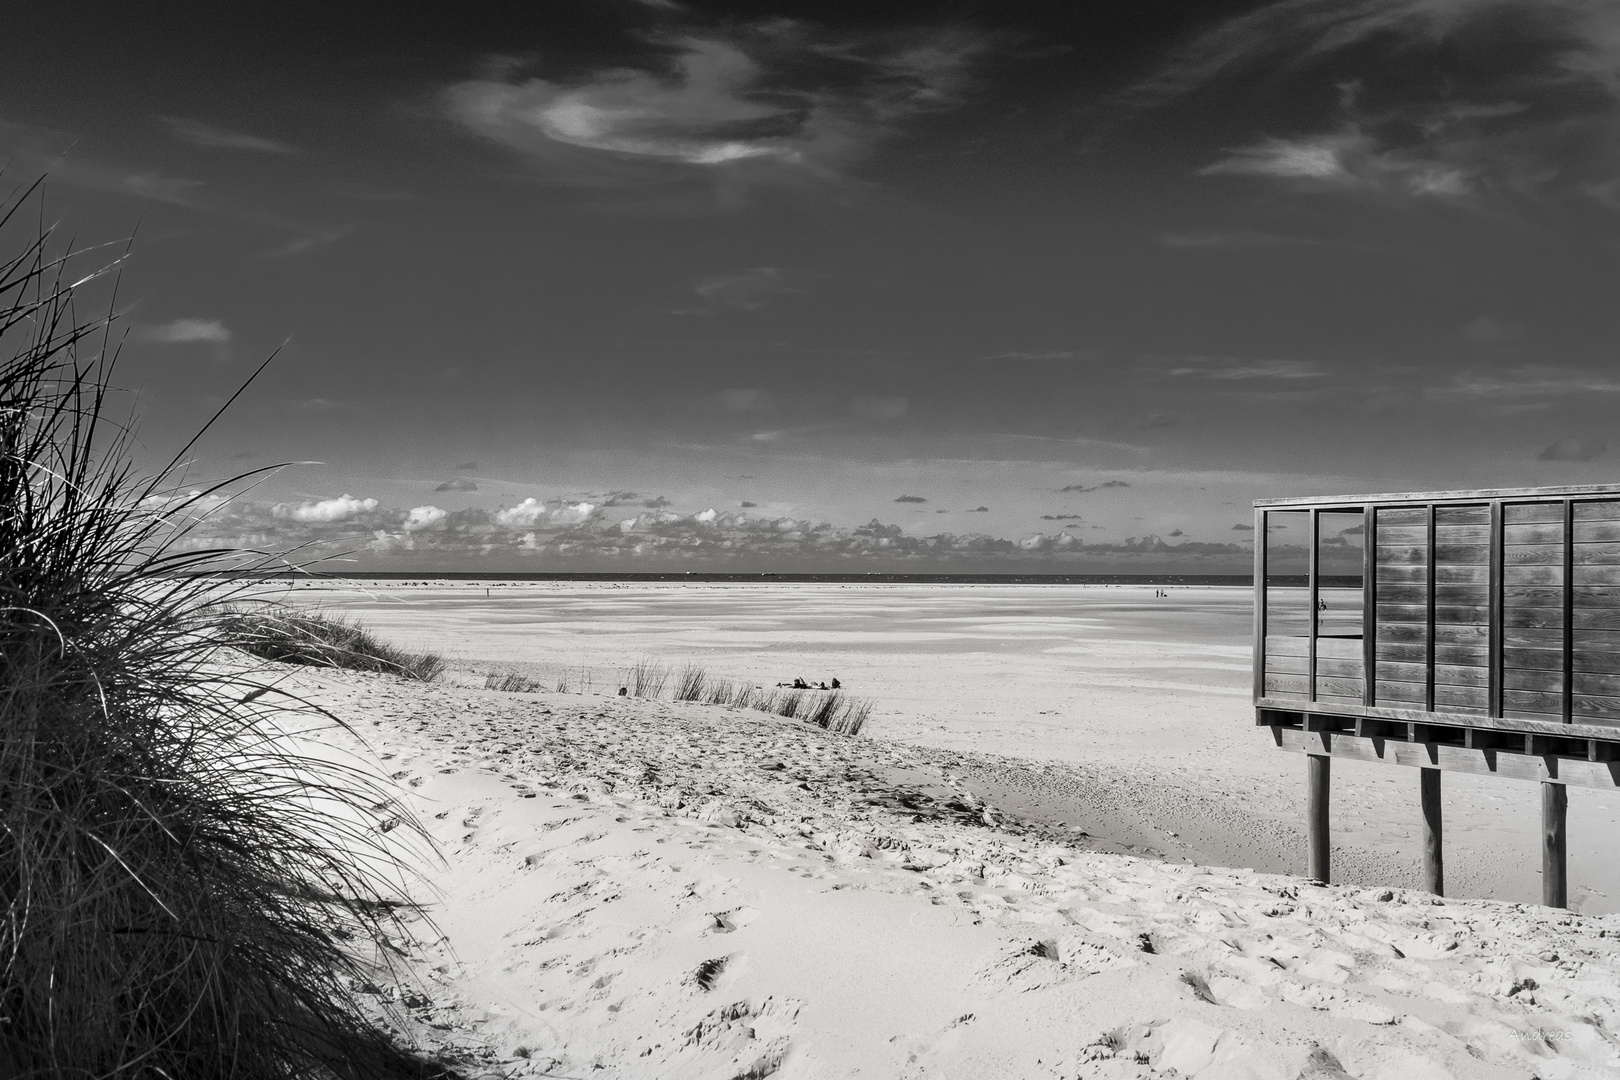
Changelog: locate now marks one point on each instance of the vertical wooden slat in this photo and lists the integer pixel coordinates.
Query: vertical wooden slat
(1260, 543)
(1369, 609)
(1494, 632)
(1569, 609)
(1428, 633)
(1313, 598)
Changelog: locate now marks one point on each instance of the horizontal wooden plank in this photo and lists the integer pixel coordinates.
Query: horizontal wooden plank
(1532, 616)
(1339, 686)
(1400, 515)
(1396, 671)
(1329, 665)
(1548, 658)
(1470, 595)
(1526, 513)
(1402, 593)
(1518, 535)
(1531, 637)
(1597, 532)
(1597, 650)
(1533, 555)
(1461, 534)
(1444, 633)
(1598, 510)
(1515, 702)
(1596, 574)
(1542, 659)
(1411, 652)
(1287, 686)
(1546, 680)
(1549, 596)
(1461, 674)
(1546, 574)
(1385, 574)
(1460, 697)
(1443, 613)
(1586, 708)
(1387, 692)
(1447, 674)
(1289, 645)
(1462, 574)
(1596, 618)
(1399, 555)
(1462, 515)
(1338, 699)
(1594, 774)
(1289, 665)
(1596, 685)
(1343, 648)
(1389, 535)
(1597, 554)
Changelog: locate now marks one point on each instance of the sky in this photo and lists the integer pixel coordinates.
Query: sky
(648, 285)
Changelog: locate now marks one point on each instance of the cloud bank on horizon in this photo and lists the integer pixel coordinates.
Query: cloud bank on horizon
(571, 534)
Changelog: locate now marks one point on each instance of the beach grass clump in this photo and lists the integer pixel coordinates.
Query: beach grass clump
(272, 632)
(690, 684)
(184, 896)
(512, 683)
(833, 710)
(647, 679)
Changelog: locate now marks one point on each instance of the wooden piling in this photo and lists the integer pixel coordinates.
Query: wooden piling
(1434, 863)
(1318, 843)
(1555, 846)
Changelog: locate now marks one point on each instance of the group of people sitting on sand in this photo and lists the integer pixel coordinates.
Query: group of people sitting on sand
(800, 684)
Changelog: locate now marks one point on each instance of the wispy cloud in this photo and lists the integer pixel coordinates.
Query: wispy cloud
(1233, 369)
(1537, 119)
(773, 92)
(747, 290)
(1527, 381)
(201, 134)
(184, 331)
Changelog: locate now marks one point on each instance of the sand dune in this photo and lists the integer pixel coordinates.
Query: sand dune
(642, 889)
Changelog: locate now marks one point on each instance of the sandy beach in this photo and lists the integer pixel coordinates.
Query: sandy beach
(639, 888)
(1135, 707)
(644, 889)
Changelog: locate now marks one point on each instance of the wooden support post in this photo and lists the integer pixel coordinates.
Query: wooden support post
(1317, 841)
(1434, 865)
(1554, 845)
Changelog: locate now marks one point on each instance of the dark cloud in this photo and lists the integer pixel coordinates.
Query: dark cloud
(1061, 517)
(1178, 532)
(979, 510)
(748, 505)
(1574, 449)
(910, 499)
(1240, 527)
(1081, 488)
(459, 483)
